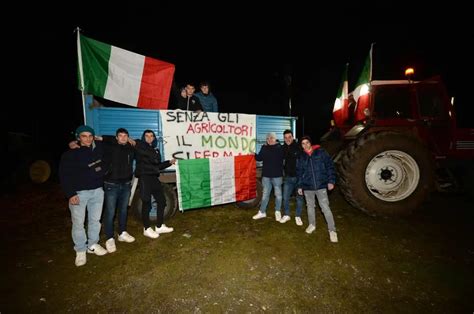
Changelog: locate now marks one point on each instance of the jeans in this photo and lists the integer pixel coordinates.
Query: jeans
(289, 186)
(268, 183)
(323, 201)
(93, 200)
(117, 196)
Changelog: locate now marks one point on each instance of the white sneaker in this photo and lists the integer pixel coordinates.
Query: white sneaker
(333, 236)
(285, 219)
(150, 233)
(125, 237)
(110, 245)
(277, 215)
(81, 258)
(259, 215)
(163, 229)
(310, 229)
(298, 221)
(97, 250)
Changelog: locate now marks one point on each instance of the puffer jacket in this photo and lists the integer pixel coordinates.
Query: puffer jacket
(149, 159)
(316, 171)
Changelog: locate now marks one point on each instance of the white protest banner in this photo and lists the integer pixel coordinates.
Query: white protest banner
(190, 135)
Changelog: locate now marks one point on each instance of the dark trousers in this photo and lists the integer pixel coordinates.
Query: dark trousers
(151, 185)
(117, 196)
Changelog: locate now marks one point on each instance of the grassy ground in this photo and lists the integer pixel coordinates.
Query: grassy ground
(220, 260)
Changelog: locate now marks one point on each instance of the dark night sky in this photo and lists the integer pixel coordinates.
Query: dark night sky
(243, 51)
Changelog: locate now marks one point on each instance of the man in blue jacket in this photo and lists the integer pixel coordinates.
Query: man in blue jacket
(82, 177)
(316, 175)
(207, 99)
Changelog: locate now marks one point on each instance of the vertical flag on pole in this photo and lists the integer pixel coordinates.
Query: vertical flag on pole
(340, 110)
(361, 92)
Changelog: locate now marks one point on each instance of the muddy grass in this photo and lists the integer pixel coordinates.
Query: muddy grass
(220, 260)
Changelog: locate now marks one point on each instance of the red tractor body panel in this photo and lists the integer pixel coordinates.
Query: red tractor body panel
(420, 108)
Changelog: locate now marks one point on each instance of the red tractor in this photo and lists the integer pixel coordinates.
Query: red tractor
(391, 145)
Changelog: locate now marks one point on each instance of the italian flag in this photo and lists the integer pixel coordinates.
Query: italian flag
(361, 92)
(340, 110)
(123, 76)
(208, 182)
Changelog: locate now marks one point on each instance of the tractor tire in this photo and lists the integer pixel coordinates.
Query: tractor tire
(254, 202)
(386, 173)
(333, 147)
(171, 204)
(332, 142)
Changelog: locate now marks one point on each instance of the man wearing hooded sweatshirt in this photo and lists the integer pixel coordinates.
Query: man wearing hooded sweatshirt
(148, 169)
(82, 176)
(316, 175)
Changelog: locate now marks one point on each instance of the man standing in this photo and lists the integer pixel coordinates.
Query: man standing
(148, 169)
(316, 175)
(81, 173)
(272, 156)
(118, 158)
(292, 152)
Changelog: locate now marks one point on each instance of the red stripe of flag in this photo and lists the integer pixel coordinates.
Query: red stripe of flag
(245, 172)
(156, 84)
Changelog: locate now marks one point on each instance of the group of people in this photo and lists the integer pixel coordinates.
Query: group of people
(307, 169)
(203, 100)
(97, 173)
(100, 169)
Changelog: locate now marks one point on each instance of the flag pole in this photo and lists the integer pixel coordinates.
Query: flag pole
(371, 58)
(81, 72)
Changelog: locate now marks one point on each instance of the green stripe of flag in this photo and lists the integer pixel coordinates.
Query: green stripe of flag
(95, 65)
(195, 183)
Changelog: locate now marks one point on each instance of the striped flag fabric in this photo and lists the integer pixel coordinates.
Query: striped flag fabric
(340, 110)
(362, 90)
(123, 76)
(207, 182)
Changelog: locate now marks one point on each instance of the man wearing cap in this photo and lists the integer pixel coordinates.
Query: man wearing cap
(272, 175)
(81, 174)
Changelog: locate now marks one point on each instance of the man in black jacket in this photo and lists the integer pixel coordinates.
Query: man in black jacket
(118, 160)
(292, 152)
(81, 173)
(148, 169)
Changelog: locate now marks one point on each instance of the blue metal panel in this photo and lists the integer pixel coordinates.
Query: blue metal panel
(134, 120)
(276, 124)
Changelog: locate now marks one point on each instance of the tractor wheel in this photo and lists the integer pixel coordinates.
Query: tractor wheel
(332, 142)
(254, 202)
(386, 173)
(171, 204)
